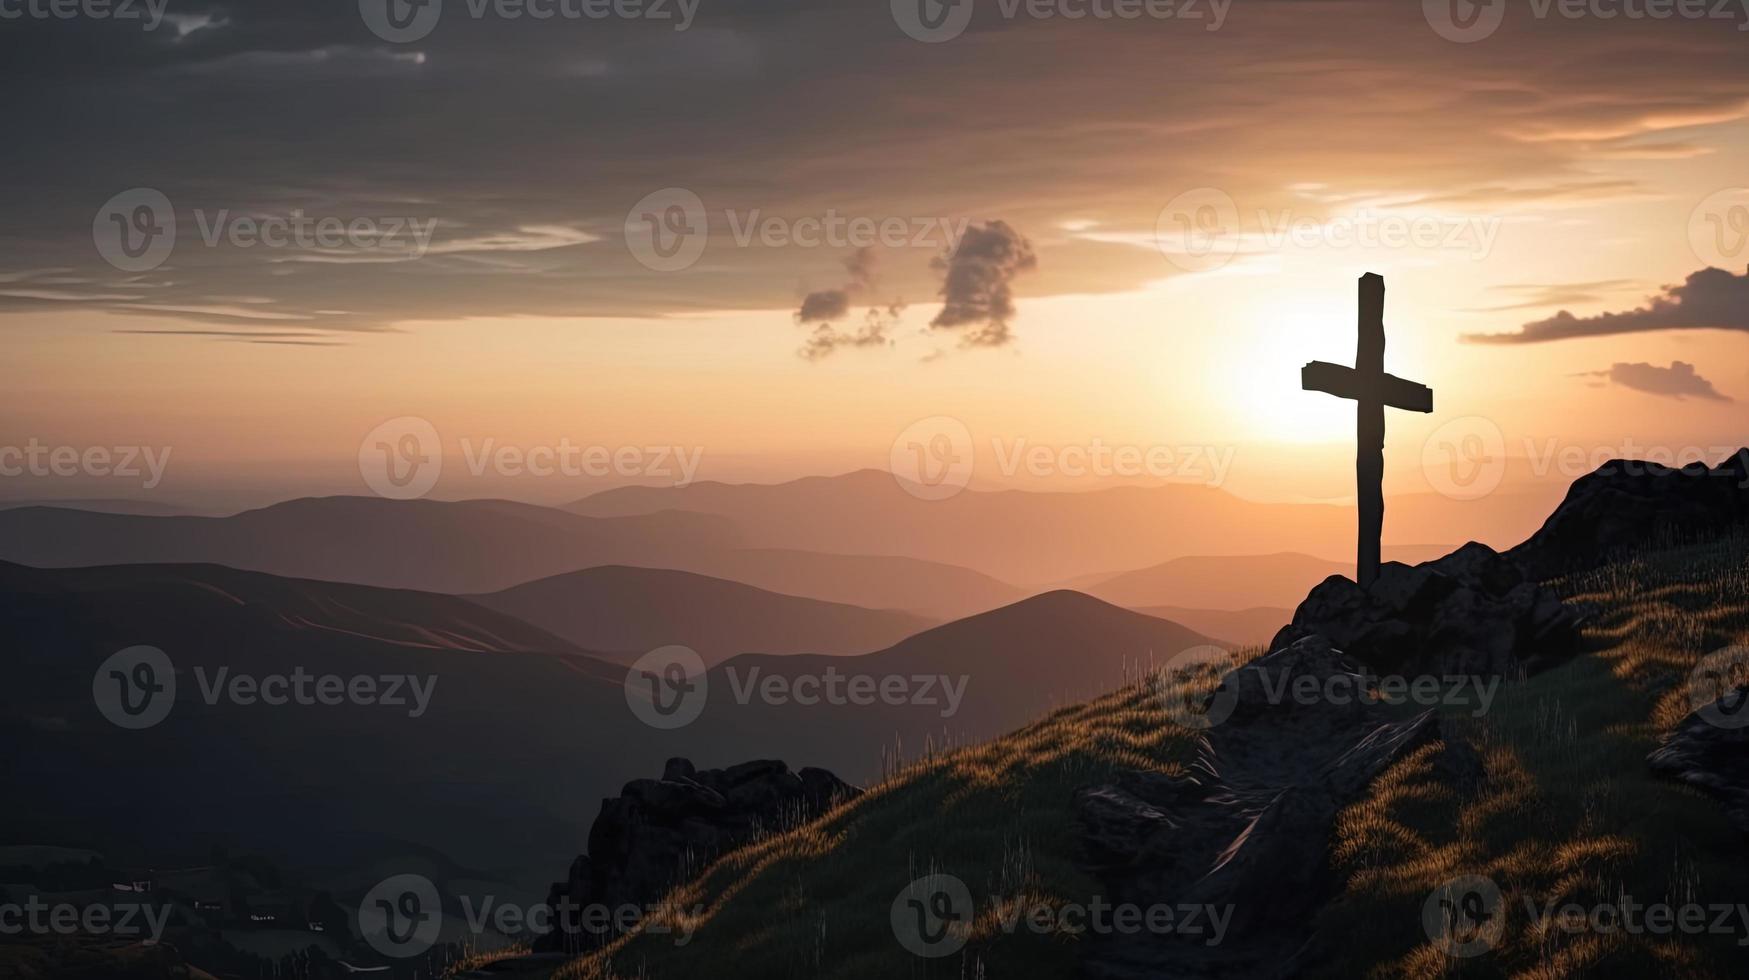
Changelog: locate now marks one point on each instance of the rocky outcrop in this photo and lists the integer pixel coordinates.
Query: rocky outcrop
(1626, 504)
(1472, 612)
(1245, 831)
(1709, 750)
(659, 832)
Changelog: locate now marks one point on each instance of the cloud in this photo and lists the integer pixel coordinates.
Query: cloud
(1530, 296)
(1510, 128)
(824, 306)
(976, 278)
(1678, 381)
(1710, 298)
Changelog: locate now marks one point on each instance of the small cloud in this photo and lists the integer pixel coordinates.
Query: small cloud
(1710, 298)
(822, 307)
(1678, 381)
(977, 279)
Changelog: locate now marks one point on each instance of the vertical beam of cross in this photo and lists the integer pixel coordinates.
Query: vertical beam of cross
(1369, 429)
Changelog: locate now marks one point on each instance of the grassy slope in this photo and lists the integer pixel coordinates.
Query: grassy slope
(1569, 811)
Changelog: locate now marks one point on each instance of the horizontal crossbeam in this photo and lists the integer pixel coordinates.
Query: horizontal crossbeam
(1384, 389)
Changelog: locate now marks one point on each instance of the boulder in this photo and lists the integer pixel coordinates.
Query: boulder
(1246, 831)
(1711, 755)
(1472, 612)
(659, 832)
(1626, 504)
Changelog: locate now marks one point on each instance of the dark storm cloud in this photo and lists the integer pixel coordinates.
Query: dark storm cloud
(527, 142)
(977, 283)
(1678, 381)
(1710, 298)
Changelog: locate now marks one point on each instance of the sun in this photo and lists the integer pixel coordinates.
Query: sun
(1267, 396)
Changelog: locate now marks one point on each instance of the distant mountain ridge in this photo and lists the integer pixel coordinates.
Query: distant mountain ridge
(628, 611)
(436, 546)
(1039, 536)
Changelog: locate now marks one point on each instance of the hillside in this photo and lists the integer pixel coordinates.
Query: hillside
(1565, 809)
(621, 611)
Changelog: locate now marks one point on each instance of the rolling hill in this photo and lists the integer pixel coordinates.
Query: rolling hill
(466, 546)
(620, 610)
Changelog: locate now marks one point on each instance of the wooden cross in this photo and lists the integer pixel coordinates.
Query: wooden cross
(1372, 389)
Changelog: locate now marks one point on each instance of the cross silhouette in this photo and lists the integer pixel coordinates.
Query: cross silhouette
(1372, 389)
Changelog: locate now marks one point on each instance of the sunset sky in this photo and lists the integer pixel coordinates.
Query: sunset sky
(1558, 170)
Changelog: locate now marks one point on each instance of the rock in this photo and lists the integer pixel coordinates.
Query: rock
(1472, 612)
(659, 832)
(1711, 757)
(1625, 504)
(1247, 832)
